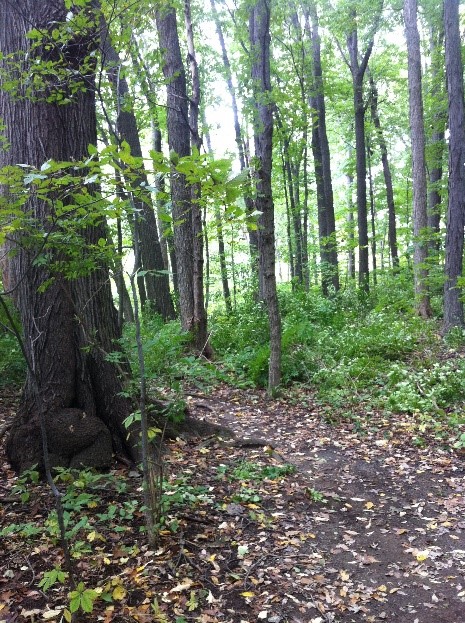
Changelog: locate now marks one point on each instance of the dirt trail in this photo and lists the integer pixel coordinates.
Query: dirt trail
(388, 541)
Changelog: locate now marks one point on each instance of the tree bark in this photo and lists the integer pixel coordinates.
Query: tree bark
(71, 326)
(248, 200)
(259, 32)
(320, 135)
(392, 229)
(436, 145)
(358, 69)
(200, 314)
(156, 280)
(179, 144)
(417, 132)
(453, 305)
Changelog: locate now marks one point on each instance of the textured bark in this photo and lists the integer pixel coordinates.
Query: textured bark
(259, 31)
(179, 144)
(417, 132)
(453, 306)
(69, 328)
(350, 229)
(320, 136)
(436, 144)
(358, 70)
(200, 314)
(372, 213)
(156, 280)
(392, 229)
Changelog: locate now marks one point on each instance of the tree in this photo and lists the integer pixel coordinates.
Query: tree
(181, 193)
(358, 66)
(322, 162)
(69, 325)
(417, 133)
(259, 33)
(453, 306)
(156, 278)
(392, 229)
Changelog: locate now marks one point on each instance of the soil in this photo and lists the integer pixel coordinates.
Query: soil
(369, 527)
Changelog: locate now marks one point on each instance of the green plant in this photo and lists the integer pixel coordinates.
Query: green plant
(316, 496)
(52, 577)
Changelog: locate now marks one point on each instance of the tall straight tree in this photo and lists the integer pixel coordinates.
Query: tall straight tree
(392, 229)
(417, 133)
(238, 134)
(200, 313)
(358, 66)
(453, 306)
(156, 278)
(179, 131)
(259, 33)
(72, 388)
(322, 159)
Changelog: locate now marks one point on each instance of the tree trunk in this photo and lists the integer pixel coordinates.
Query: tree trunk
(358, 72)
(71, 326)
(259, 31)
(221, 245)
(436, 146)
(453, 306)
(372, 213)
(200, 314)
(332, 271)
(350, 229)
(179, 144)
(248, 200)
(417, 132)
(392, 229)
(156, 280)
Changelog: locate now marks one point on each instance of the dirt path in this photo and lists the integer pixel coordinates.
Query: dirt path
(388, 543)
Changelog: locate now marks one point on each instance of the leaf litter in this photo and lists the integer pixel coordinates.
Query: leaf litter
(367, 527)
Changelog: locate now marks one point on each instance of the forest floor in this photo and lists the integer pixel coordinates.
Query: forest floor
(366, 528)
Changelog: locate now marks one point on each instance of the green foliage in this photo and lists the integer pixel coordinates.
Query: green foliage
(247, 470)
(56, 575)
(12, 364)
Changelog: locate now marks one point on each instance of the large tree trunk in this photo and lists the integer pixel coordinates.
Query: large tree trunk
(453, 306)
(417, 132)
(259, 31)
(71, 326)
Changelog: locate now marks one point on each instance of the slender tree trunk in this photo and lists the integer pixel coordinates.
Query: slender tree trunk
(332, 272)
(453, 305)
(221, 244)
(358, 69)
(392, 229)
(372, 213)
(436, 143)
(166, 235)
(71, 326)
(241, 150)
(179, 144)
(156, 280)
(200, 314)
(417, 131)
(259, 30)
(350, 229)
